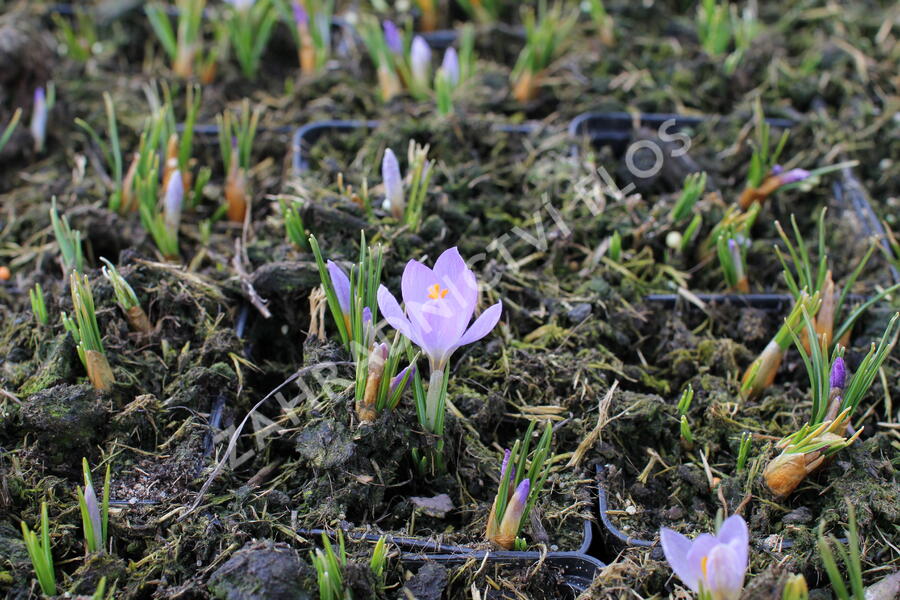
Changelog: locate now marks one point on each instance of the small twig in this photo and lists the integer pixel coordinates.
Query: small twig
(238, 264)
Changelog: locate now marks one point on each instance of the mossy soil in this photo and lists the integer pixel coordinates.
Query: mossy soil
(534, 215)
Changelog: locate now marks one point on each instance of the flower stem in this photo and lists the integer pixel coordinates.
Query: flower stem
(434, 401)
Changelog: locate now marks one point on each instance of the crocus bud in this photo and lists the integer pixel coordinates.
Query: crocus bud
(393, 184)
(509, 527)
(777, 169)
(93, 511)
(761, 372)
(300, 16)
(39, 119)
(838, 379)
(793, 176)
(786, 471)
(365, 409)
(341, 284)
(392, 37)
(172, 202)
(409, 370)
(236, 188)
(420, 62)
(450, 66)
(795, 588)
(505, 464)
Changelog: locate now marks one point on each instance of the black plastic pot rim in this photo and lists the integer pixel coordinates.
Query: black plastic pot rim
(579, 567)
(626, 120)
(301, 164)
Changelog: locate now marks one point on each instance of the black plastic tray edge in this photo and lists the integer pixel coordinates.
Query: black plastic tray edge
(579, 567)
(316, 128)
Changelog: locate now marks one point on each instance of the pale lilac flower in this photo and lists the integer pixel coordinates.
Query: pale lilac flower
(420, 61)
(715, 563)
(93, 510)
(341, 284)
(393, 184)
(509, 527)
(450, 66)
(439, 303)
(392, 37)
(300, 16)
(838, 378)
(793, 176)
(39, 119)
(172, 202)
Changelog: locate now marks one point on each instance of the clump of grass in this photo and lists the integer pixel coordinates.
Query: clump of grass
(39, 553)
(86, 332)
(68, 240)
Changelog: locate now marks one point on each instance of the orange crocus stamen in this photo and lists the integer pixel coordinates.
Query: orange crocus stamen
(435, 292)
(703, 562)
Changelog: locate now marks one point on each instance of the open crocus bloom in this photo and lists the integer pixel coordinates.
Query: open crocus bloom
(715, 563)
(439, 303)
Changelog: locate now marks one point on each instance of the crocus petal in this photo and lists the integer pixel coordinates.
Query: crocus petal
(734, 533)
(172, 201)
(417, 283)
(452, 272)
(341, 284)
(838, 379)
(93, 510)
(793, 176)
(300, 16)
(724, 573)
(506, 455)
(398, 378)
(392, 37)
(450, 65)
(394, 315)
(677, 547)
(39, 118)
(420, 60)
(482, 326)
(393, 183)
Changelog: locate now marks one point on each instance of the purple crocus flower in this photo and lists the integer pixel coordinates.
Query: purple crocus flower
(300, 16)
(172, 202)
(715, 563)
(393, 184)
(392, 37)
(777, 169)
(420, 61)
(838, 379)
(793, 176)
(439, 303)
(39, 119)
(450, 66)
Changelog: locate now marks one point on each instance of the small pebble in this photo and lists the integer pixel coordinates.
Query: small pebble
(579, 313)
(798, 516)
